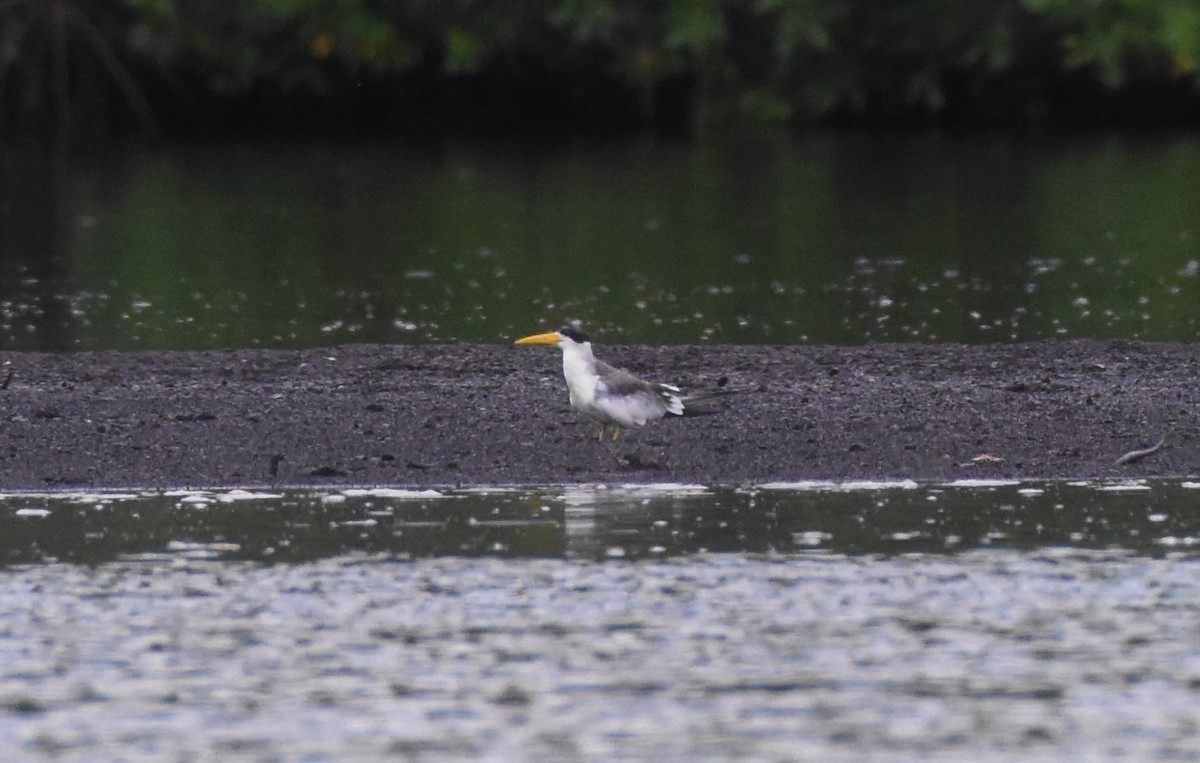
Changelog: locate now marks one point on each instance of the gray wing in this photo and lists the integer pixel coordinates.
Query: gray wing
(657, 399)
(618, 381)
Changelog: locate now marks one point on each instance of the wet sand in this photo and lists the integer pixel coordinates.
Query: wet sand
(497, 414)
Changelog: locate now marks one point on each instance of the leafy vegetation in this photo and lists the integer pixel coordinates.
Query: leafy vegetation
(680, 64)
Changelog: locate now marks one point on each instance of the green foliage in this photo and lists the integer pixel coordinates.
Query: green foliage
(753, 60)
(1122, 38)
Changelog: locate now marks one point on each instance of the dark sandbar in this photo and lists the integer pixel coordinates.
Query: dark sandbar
(498, 414)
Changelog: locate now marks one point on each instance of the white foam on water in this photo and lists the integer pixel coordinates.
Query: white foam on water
(388, 492)
(665, 488)
(1124, 487)
(105, 497)
(185, 546)
(832, 486)
(72, 496)
(245, 495)
(981, 483)
(598, 494)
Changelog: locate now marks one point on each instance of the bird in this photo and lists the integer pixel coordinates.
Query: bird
(612, 396)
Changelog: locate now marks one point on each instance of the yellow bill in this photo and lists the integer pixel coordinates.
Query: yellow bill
(550, 338)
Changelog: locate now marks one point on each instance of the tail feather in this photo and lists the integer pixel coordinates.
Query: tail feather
(698, 404)
(670, 396)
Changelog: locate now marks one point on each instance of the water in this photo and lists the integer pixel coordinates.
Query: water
(807, 621)
(821, 239)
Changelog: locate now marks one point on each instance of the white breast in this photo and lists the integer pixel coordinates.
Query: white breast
(579, 370)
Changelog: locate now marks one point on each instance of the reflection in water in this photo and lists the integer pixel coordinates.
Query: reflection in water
(824, 240)
(631, 522)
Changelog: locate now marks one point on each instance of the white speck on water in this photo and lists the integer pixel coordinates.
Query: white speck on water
(810, 538)
(1170, 540)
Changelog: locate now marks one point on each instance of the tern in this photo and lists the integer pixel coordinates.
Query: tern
(612, 396)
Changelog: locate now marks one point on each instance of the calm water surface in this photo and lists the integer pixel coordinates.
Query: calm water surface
(820, 621)
(821, 239)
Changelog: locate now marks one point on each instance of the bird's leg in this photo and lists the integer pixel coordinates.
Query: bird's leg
(603, 427)
(617, 433)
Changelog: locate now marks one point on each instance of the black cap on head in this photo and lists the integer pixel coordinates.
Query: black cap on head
(574, 334)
